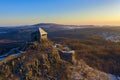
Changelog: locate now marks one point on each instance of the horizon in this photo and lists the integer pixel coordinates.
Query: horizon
(63, 24)
(68, 12)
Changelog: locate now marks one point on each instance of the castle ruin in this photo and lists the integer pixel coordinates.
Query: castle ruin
(65, 53)
(40, 34)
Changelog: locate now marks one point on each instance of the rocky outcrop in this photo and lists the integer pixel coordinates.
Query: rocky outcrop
(40, 61)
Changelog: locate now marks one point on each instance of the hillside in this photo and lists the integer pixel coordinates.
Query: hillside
(96, 52)
(41, 61)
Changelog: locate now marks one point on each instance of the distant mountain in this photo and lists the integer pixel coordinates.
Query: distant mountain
(47, 25)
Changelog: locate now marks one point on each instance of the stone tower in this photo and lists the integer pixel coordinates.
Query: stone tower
(43, 34)
(38, 35)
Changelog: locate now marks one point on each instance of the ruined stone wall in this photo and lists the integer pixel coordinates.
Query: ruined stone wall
(68, 57)
(43, 37)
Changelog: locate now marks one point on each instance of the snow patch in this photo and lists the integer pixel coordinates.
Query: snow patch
(114, 77)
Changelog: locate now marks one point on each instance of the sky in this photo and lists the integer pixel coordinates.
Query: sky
(77, 12)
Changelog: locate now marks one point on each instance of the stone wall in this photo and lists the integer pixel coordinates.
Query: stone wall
(68, 56)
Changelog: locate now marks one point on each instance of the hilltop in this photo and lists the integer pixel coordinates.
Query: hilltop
(41, 61)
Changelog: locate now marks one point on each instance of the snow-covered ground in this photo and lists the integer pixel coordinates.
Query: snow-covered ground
(70, 27)
(112, 36)
(9, 54)
(113, 77)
